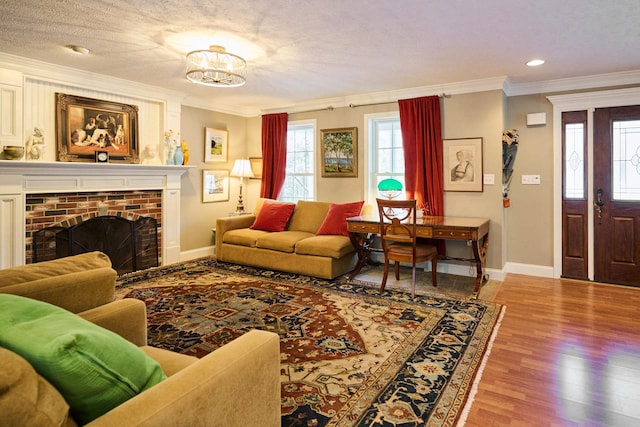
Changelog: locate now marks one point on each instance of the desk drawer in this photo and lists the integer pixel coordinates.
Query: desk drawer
(452, 234)
(361, 227)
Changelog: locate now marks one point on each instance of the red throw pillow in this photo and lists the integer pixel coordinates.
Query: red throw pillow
(336, 220)
(273, 216)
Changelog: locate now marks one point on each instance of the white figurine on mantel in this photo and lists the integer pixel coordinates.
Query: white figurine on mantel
(170, 144)
(35, 145)
(150, 156)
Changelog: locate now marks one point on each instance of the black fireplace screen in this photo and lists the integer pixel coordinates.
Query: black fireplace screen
(131, 245)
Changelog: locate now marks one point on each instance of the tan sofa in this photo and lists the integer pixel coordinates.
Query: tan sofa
(296, 250)
(236, 385)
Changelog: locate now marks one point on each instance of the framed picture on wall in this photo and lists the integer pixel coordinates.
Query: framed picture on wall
(216, 145)
(256, 167)
(85, 126)
(339, 152)
(462, 164)
(215, 186)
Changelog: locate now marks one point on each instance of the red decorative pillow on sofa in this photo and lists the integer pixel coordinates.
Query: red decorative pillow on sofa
(336, 220)
(273, 216)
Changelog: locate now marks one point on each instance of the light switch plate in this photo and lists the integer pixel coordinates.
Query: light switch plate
(531, 179)
(489, 179)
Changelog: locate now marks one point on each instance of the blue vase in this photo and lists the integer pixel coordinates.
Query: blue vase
(178, 157)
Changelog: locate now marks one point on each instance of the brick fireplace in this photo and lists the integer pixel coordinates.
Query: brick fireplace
(67, 209)
(34, 195)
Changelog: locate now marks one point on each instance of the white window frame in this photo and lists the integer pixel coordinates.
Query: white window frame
(370, 155)
(313, 124)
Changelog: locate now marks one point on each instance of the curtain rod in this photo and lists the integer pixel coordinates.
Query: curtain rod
(331, 108)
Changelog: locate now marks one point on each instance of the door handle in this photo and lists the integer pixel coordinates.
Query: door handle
(599, 203)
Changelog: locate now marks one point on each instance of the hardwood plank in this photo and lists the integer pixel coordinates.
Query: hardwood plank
(567, 354)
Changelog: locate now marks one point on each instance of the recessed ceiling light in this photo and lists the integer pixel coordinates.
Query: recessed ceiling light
(79, 50)
(535, 62)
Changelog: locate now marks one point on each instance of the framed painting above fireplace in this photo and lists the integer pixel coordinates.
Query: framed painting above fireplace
(86, 125)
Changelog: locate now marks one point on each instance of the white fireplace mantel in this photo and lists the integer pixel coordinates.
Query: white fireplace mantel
(18, 178)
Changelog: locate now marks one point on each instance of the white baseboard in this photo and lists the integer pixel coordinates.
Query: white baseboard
(529, 269)
(197, 253)
(443, 266)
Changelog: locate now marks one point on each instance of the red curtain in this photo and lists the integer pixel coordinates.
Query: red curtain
(422, 142)
(274, 154)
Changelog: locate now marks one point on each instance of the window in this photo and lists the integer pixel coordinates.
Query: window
(574, 168)
(626, 160)
(299, 182)
(386, 155)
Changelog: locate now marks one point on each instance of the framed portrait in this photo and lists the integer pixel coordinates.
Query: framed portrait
(85, 126)
(215, 186)
(339, 152)
(462, 164)
(216, 145)
(256, 167)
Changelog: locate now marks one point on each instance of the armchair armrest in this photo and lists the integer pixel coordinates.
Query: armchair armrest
(237, 385)
(75, 291)
(230, 223)
(126, 317)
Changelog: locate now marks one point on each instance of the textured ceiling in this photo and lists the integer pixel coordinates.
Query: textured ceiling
(301, 51)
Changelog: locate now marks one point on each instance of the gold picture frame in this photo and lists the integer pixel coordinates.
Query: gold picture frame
(462, 164)
(215, 186)
(86, 125)
(339, 152)
(256, 167)
(216, 145)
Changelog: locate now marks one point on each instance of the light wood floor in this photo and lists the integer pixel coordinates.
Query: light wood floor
(567, 354)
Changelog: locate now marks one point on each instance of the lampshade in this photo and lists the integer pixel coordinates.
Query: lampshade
(215, 67)
(242, 168)
(390, 184)
(390, 188)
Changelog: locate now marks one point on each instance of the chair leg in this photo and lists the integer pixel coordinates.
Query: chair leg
(396, 267)
(384, 275)
(413, 279)
(434, 271)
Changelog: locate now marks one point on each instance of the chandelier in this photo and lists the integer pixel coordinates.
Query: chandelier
(215, 67)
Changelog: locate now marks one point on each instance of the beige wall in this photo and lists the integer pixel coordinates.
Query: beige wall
(197, 218)
(470, 115)
(529, 220)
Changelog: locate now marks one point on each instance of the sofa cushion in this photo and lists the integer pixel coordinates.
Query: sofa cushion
(273, 216)
(285, 241)
(243, 236)
(94, 369)
(308, 215)
(328, 246)
(27, 399)
(336, 220)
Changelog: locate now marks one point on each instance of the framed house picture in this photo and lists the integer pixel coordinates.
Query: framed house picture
(215, 186)
(462, 167)
(85, 126)
(339, 152)
(216, 145)
(256, 167)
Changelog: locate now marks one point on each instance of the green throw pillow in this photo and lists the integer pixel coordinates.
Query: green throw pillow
(93, 368)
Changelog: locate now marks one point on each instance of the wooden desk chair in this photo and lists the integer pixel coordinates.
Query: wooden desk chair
(399, 241)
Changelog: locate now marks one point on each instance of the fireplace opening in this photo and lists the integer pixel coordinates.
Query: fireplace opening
(131, 245)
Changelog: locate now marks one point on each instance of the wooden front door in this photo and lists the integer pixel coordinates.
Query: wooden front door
(616, 189)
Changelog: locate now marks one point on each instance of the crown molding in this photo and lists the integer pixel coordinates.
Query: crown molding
(44, 71)
(235, 110)
(573, 83)
(392, 96)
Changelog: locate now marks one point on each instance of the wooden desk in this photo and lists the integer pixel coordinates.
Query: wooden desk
(362, 229)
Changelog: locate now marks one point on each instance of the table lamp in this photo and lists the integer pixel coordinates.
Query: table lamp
(390, 188)
(241, 169)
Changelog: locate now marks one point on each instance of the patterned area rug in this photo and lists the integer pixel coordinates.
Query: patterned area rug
(350, 357)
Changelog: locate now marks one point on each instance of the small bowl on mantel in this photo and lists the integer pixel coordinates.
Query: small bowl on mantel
(13, 152)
